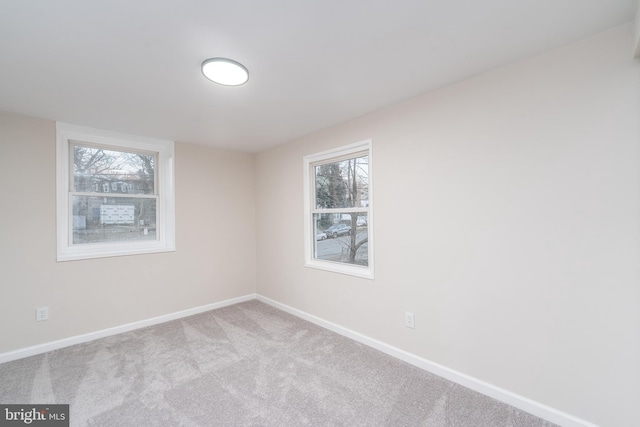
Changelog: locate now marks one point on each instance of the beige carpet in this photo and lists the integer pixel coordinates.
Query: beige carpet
(244, 365)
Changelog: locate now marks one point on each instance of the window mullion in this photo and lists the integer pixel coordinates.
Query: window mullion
(339, 210)
(124, 195)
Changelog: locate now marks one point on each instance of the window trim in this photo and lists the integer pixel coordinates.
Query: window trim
(67, 134)
(337, 154)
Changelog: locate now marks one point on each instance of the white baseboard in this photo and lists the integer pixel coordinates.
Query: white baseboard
(535, 408)
(78, 339)
(513, 399)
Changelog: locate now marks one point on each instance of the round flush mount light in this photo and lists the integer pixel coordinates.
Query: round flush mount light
(225, 71)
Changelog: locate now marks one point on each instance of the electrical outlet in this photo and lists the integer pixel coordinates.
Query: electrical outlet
(42, 313)
(408, 320)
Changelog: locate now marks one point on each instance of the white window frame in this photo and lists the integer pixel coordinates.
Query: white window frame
(66, 134)
(309, 162)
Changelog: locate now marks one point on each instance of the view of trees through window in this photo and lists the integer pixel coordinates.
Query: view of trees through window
(340, 216)
(113, 195)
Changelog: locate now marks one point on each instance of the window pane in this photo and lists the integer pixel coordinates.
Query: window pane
(336, 239)
(99, 170)
(98, 219)
(342, 184)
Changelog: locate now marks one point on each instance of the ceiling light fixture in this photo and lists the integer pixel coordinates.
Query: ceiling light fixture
(225, 71)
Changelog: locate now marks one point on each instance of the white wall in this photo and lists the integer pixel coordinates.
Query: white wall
(507, 219)
(215, 239)
(636, 34)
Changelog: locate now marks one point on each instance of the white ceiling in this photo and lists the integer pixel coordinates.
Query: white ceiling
(134, 65)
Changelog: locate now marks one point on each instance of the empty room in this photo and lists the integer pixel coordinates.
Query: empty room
(286, 213)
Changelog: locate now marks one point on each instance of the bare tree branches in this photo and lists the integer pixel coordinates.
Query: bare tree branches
(343, 185)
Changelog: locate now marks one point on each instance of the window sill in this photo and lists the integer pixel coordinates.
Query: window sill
(111, 250)
(337, 267)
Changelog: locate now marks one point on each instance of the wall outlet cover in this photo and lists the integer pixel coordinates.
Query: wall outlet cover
(409, 320)
(42, 313)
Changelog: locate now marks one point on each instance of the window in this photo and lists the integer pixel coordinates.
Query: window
(115, 194)
(338, 210)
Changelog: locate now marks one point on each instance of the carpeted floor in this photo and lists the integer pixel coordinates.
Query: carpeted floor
(244, 365)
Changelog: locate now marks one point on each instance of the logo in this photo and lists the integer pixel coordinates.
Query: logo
(34, 415)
